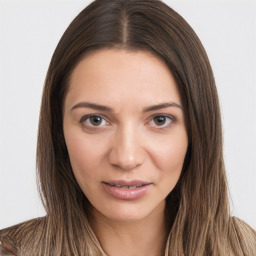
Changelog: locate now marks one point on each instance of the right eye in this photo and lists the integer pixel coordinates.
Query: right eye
(94, 121)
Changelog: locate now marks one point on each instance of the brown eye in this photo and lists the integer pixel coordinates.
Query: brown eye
(159, 120)
(95, 120)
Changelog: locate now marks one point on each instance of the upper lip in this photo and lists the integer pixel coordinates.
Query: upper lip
(127, 182)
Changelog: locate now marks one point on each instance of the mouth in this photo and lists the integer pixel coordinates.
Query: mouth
(127, 184)
(124, 187)
(127, 190)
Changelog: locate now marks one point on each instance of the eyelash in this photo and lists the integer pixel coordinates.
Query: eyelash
(86, 118)
(166, 123)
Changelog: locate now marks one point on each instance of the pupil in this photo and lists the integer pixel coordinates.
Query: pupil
(95, 120)
(159, 120)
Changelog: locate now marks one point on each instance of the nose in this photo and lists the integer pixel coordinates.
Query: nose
(127, 151)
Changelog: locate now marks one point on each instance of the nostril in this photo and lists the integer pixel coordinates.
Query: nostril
(124, 161)
(126, 167)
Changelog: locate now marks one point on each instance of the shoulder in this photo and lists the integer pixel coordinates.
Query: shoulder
(15, 237)
(243, 235)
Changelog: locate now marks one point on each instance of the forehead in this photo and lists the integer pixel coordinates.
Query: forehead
(115, 75)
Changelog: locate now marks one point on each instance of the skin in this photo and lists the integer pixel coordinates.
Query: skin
(130, 142)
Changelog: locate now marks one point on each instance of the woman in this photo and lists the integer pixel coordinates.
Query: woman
(129, 150)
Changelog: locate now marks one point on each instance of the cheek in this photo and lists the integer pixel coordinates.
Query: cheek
(168, 156)
(86, 155)
(169, 152)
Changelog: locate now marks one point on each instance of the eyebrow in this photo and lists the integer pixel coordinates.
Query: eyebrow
(93, 106)
(163, 105)
(108, 109)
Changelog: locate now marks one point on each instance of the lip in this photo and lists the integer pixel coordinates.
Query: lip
(127, 182)
(127, 193)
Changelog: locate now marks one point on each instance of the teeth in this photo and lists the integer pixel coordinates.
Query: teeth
(126, 187)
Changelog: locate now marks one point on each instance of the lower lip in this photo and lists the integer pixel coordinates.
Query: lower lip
(126, 193)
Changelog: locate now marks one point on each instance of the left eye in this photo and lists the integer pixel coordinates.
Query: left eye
(161, 121)
(94, 121)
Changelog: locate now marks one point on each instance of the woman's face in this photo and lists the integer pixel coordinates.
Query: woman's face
(125, 132)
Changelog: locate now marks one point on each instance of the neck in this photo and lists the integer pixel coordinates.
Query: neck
(145, 237)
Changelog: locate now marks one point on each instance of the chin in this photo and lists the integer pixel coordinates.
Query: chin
(128, 211)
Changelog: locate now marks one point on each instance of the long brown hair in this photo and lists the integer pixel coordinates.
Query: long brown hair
(198, 206)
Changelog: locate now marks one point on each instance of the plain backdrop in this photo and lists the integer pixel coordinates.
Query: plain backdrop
(29, 33)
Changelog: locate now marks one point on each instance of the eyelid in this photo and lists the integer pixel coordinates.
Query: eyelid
(84, 118)
(151, 118)
(171, 117)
